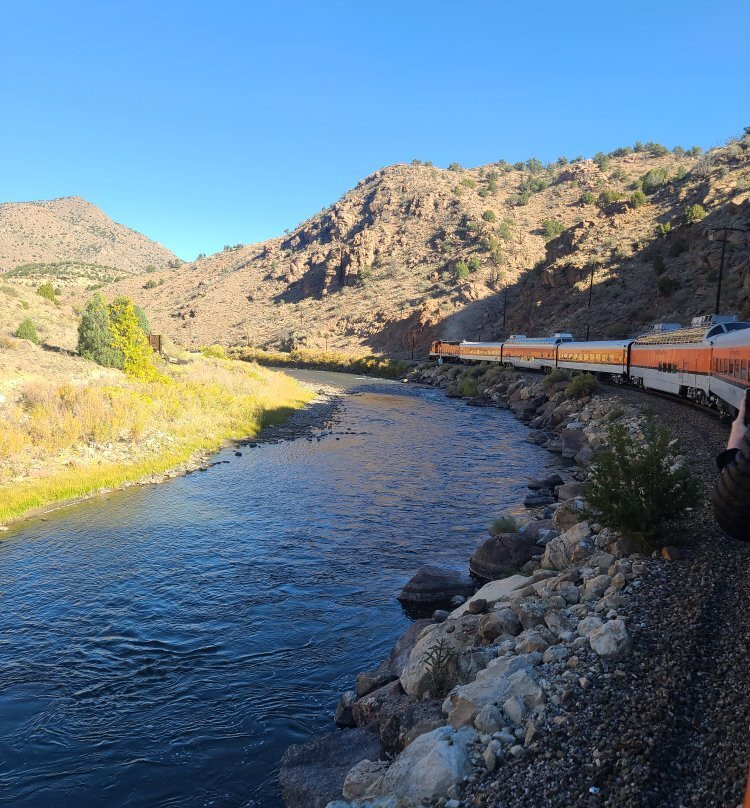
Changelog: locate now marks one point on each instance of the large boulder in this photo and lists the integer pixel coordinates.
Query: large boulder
(494, 591)
(434, 585)
(573, 440)
(451, 639)
(313, 773)
(572, 490)
(501, 555)
(430, 766)
(567, 515)
(503, 678)
(570, 547)
(611, 639)
(363, 777)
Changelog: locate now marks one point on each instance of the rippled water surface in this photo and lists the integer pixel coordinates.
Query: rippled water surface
(162, 646)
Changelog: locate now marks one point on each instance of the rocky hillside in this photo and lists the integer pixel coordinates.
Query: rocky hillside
(415, 252)
(71, 242)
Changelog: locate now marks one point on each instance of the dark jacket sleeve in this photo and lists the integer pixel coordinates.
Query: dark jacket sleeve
(730, 498)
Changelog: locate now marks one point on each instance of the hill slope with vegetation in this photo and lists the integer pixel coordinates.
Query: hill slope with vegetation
(69, 241)
(415, 252)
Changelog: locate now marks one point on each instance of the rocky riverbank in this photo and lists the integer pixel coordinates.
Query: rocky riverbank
(484, 686)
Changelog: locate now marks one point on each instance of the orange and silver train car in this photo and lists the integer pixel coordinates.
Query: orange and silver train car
(709, 361)
(523, 352)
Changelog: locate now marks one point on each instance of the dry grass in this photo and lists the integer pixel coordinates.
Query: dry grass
(325, 360)
(93, 437)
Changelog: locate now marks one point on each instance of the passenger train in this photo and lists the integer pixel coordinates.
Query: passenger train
(707, 362)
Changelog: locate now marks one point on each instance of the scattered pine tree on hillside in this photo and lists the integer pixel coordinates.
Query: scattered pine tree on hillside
(95, 338)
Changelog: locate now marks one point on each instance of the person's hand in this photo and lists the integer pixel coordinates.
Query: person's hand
(738, 427)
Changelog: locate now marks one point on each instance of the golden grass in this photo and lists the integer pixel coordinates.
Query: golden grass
(156, 425)
(324, 360)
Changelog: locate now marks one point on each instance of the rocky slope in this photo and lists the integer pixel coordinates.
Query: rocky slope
(415, 252)
(70, 241)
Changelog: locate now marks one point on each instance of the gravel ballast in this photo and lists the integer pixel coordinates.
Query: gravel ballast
(668, 725)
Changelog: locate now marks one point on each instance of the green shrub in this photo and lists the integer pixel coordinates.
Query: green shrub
(47, 291)
(489, 216)
(623, 151)
(638, 199)
(468, 182)
(9, 290)
(653, 180)
(656, 149)
(637, 488)
(534, 166)
(473, 264)
(461, 270)
(667, 286)
(27, 330)
(695, 213)
(581, 386)
(520, 199)
(95, 340)
(659, 265)
(503, 230)
(555, 376)
(150, 284)
(680, 173)
(664, 229)
(151, 268)
(601, 160)
(608, 196)
(505, 524)
(552, 228)
(454, 167)
(588, 198)
(467, 386)
(364, 275)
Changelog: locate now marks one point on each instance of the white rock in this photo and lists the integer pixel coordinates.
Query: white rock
(611, 639)
(429, 767)
(362, 778)
(589, 625)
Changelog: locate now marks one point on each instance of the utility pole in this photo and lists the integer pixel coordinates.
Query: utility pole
(723, 257)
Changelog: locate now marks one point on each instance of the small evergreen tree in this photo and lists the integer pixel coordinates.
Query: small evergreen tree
(47, 291)
(95, 339)
(462, 270)
(637, 488)
(27, 330)
(694, 213)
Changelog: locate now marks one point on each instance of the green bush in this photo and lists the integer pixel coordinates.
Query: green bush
(601, 160)
(503, 230)
(468, 182)
(454, 167)
(656, 149)
(555, 376)
(27, 330)
(695, 213)
(95, 340)
(150, 284)
(588, 198)
(581, 386)
(129, 337)
(473, 264)
(467, 386)
(520, 199)
(623, 151)
(364, 275)
(653, 180)
(638, 199)
(47, 291)
(151, 268)
(489, 216)
(608, 196)
(667, 286)
(534, 166)
(552, 228)
(637, 488)
(461, 270)
(505, 524)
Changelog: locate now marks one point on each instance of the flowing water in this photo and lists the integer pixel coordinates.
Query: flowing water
(162, 646)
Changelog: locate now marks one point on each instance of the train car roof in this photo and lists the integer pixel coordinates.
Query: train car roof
(598, 345)
(482, 344)
(693, 334)
(736, 336)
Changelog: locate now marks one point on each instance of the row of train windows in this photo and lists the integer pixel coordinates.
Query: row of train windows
(589, 357)
(732, 367)
(667, 367)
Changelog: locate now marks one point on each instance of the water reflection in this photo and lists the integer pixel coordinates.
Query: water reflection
(162, 646)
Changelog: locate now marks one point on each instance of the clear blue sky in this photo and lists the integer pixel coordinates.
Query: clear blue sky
(207, 123)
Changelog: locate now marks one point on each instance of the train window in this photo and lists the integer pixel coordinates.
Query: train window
(731, 368)
(726, 366)
(743, 372)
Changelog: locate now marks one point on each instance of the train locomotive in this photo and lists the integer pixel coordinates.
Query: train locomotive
(707, 361)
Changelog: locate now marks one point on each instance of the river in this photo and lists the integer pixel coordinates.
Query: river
(163, 645)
